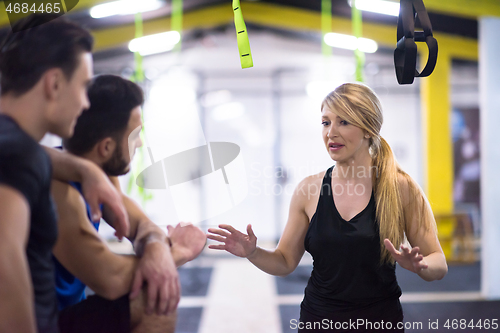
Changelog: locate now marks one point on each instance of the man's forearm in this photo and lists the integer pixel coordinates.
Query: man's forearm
(142, 230)
(178, 256)
(148, 232)
(65, 167)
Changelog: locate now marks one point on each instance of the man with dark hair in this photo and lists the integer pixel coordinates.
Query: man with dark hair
(45, 69)
(108, 134)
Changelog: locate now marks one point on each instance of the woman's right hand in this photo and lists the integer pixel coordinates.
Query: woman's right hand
(234, 242)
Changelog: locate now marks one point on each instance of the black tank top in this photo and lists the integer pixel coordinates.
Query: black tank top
(347, 274)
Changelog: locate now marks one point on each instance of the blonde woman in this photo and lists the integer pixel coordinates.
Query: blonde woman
(349, 218)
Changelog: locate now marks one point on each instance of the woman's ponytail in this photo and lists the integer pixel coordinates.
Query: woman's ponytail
(389, 213)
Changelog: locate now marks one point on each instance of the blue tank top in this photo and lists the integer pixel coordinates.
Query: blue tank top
(70, 290)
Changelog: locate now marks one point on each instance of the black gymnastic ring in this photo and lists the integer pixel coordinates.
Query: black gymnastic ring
(405, 55)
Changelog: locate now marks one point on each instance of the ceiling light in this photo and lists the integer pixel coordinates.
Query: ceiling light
(124, 7)
(378, 6)
(350, 42)
(157, 43)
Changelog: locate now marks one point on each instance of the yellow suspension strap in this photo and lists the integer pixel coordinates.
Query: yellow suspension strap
(326, 25)
(176, 25)
(242, 36)
(357, 29)
(138, 76)
(138, 162)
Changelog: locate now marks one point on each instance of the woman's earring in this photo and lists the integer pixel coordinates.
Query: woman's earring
(367, 136)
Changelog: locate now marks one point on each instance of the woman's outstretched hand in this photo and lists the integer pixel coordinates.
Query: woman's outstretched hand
(234, 242)
(410, 260)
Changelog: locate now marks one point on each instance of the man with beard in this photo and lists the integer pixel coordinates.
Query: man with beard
(108, 134)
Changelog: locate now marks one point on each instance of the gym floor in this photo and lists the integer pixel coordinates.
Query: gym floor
(222, 293)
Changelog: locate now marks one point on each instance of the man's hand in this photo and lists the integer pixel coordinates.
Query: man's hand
(187, 241)
(157, 268)
(97, 188)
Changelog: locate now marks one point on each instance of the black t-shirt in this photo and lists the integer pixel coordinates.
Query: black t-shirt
(26, 167)
(347, 274)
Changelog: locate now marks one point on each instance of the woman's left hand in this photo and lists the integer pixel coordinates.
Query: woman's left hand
(410, 260)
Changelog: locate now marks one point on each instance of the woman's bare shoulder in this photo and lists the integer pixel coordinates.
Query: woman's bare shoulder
(307, 193)
(314, 179)
(310, 186)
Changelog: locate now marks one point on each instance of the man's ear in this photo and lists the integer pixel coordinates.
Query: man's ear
(52, 83)
(106, 147)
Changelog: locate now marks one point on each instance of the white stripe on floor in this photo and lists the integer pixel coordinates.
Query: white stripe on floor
(462, 296)
(457, 296)
(289, 299)
(192, 302)
(241, 298)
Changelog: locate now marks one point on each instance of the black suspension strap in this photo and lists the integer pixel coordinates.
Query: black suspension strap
(405, 55)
